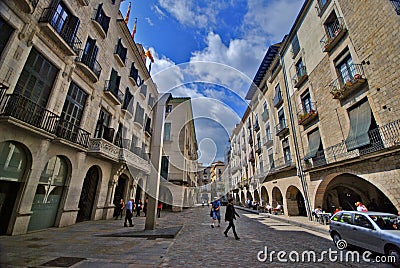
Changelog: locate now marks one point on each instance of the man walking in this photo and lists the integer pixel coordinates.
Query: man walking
(129, 213)
(230, 215)
(216, 205)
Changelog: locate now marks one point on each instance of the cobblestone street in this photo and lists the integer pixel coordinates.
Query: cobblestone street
(103, 243)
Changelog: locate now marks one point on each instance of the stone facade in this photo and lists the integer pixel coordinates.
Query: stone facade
(339, 70)
(72, 164)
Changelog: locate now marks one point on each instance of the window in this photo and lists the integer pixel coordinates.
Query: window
(300, 68)
(167, 131)
(134, 73)
(295, 45)
(265, 106)
(360, 123)
(268, 132)
(346, 218)
(306, 102)
(164, 167)
(121, 50)
(128, 101)
(36, 79)
(102, 123)
(333, 25)
(286, 151)
(12, 162)
(362, 221)
(134, 142)
(278, 95)
(281, 118)
(118, 136)
(6, 31)
(168, 109)
(271, 158)
(90, 54)
(261, 164)
(346, 70)
(74, 106)
(314, 144)
(102, 18)
(139, 114)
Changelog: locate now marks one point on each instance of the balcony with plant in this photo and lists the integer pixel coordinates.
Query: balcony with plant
(300, 76)
(335, 31)
(307, 114)
(346, 84)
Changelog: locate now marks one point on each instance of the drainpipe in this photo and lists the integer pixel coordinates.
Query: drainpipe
(153, 184)
(296, 145)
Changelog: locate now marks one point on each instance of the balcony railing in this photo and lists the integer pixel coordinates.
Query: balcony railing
(104, 148)
(115, 93)
(67, 33)
(281, 128)
(91, 66)
(283, 163)
(258, 147)
(28, 111)
(300, 77)
(382, 138)
(101, 21)
(256, 126)
(268, 140)
(307, 114)
(345, 84)
(335, 32)
(121, 51)
(73, 133)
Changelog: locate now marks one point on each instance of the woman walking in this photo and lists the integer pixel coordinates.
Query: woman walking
(230, 215)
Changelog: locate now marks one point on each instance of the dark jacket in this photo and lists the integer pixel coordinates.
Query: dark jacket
(230, 213)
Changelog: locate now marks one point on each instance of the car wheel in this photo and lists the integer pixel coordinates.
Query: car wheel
(395, 252)
(336, 237)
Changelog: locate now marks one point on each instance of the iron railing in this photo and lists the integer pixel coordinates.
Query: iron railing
(345, 81)
(332, 32)
(91, 62)
(68, 34)
(278, 98)
(281, 126)
(73, 133)
(380, 138)
(121, 51)
(28, 111)
(101, 18)
(300, 76)
(307, 112)
(114, 91)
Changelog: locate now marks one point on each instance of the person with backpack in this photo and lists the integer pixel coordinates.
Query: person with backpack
(216, 213)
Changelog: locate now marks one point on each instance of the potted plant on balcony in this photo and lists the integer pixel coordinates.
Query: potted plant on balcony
(357, 77)
(337, 93)
(303, 117)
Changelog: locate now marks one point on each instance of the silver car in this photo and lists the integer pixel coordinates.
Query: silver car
(375, 231)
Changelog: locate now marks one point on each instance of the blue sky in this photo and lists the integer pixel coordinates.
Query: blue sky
(210, 51)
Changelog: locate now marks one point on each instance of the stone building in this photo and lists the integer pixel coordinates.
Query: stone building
(75, 113)
(340, 98)
(179, 166)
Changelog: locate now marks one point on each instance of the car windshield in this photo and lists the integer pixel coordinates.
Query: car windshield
(386, 222)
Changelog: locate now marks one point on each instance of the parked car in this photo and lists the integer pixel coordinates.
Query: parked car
(375, 231)
(224, 201)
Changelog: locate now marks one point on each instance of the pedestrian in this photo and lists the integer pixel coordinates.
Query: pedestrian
(129, 212)
(146, 203)
(361, 207)
(138, 207)
(230, 215)
(159, 208)
(120, 208)
(269, 208)
(216, 205)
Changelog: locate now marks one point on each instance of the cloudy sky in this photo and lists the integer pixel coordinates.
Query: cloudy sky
(210, 51)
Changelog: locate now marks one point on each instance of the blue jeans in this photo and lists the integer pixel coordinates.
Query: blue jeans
(216, 215)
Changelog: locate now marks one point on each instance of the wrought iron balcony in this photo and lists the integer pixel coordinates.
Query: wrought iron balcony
(281, 128)
(335, 32)
(300, 76)
(380, 139)
(53, 23)
(113, 93)
(29, 112)
(73, 133)
(307, 114)
(89, 65)
(344, 85)
(120, 53)
(101, 21)
(28, 6)
(265, 115)
(268, 140)
(258, 147)
(256, 126)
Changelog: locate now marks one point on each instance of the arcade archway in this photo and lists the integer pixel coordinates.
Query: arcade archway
(295, 202)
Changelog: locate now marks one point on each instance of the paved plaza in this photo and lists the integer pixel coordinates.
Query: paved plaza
(107, 243)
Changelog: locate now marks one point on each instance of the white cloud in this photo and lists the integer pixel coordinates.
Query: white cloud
(149, 21)
(158, 11)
